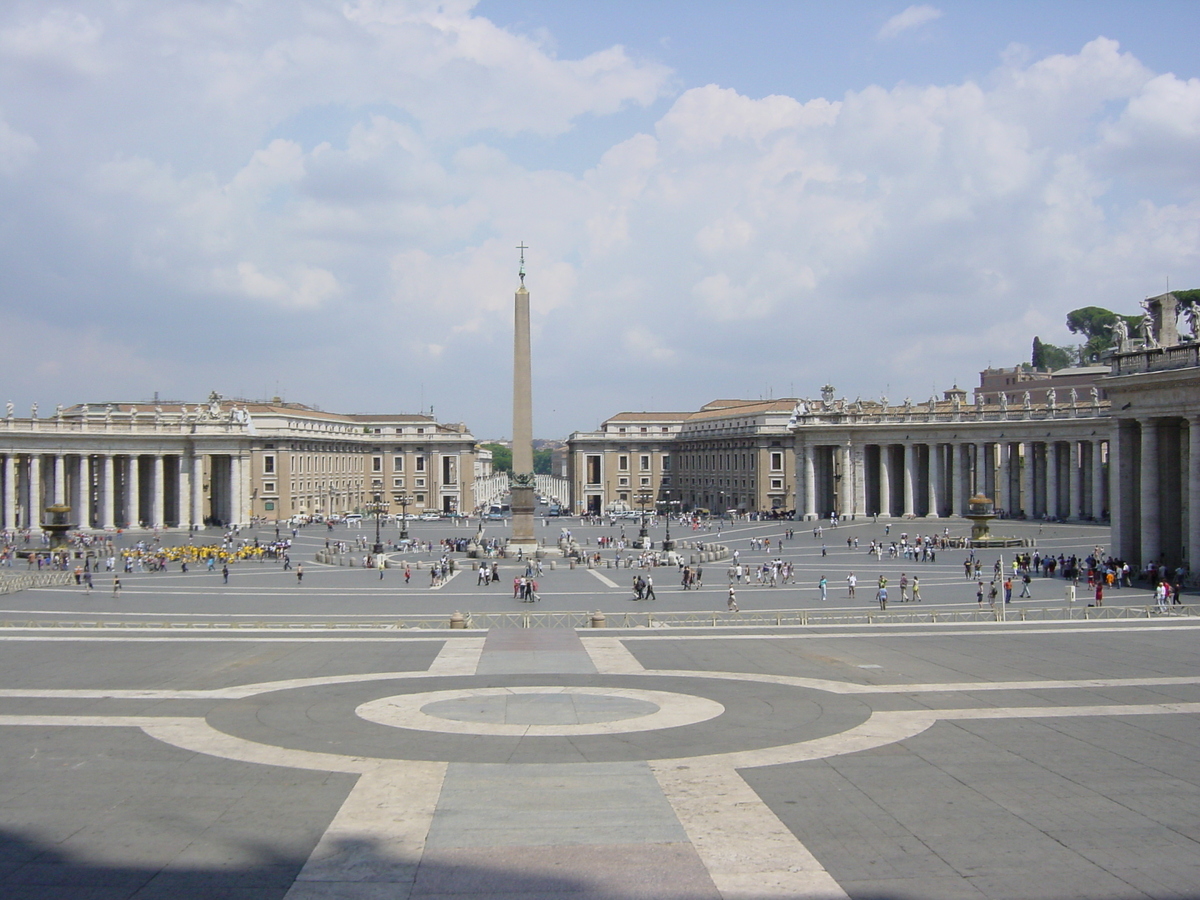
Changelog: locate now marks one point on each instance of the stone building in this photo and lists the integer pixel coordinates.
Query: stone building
(1155, 393)
(120, 465)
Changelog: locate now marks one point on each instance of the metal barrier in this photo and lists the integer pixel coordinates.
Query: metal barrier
(696, 619)
(10, 584)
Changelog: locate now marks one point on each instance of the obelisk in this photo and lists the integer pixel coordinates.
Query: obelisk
(521, 484)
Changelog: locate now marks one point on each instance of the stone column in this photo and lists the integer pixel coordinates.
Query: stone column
(980, 469)
(935, 476)
(1077, 496)
(133, 490)
(1097, 478)
(198, 489)
(60, 479)
(10, 490)
(243, 510)
(157, 492)
(107, 492)
(1148, 493)
(78, 492)
(183, 496)
(885, 480)
(1122, 475)
(956, 478)
(1052, 479)
(34, 511)
(908, 479)
(1193, 538)
(1028, 464)
(858, 464)
(810, 484)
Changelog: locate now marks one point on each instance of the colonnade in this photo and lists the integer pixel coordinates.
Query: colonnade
(121, 490)
(1156, 502)
(1065, 478)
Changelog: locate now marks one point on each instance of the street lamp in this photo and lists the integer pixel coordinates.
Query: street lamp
(668, 544)
(644, 498)
(378, 507)
(404, 501)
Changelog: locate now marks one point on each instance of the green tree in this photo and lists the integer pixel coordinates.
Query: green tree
(1048, 356)
(1096, 323)
(541, 461)
(501, 457)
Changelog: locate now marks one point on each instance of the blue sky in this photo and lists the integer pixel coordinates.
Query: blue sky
(321, 200)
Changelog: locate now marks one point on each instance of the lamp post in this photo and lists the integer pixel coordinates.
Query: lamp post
(404, 501)
(377, 507)
(668, 544)
(644, 499)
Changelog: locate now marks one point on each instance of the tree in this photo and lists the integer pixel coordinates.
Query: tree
(1096, 323)
(501, 457)
(542, 461)
(1048, 356)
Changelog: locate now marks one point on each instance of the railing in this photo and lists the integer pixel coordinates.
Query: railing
(643, 620)
(1156, 359)
(10, 584)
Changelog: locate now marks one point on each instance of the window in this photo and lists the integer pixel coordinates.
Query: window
(776, 461)
(268, 505)
(398, 464)
(420, 464)
(776, 484)
(645, 481)
(376, 463)
(623, 463)
(420, 431)
(644, 431)
(623, 481)
(420, 482)
(593, 470)
(644, 462)
(666, 462)
(420, 499)
(397, 482)
(268, 487)
(269, 465)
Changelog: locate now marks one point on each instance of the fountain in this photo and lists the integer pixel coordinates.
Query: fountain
(981, 510)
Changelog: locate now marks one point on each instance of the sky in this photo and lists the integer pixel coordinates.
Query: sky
(322, 201)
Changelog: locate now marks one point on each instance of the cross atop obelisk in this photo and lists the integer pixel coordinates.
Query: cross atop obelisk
(522, 483)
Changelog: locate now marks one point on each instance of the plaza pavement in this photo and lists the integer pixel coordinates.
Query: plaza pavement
(1005, 760)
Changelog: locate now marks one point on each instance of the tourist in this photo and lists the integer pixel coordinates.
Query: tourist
(881, 596)
(916, 589)
(732, 605)
(851, 583)
(823, 585)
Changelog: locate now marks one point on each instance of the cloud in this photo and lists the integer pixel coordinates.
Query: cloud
(912, 17)
(268, 198)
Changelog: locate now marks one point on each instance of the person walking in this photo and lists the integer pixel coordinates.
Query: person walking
(300, 573)
(732, 605)
(823, 585)
(903, 587)
(851, 583)
(116, 586)
(916, 589)
(881, 596)
(1025, 582)
(979, 592)
(650, 588)
(225, 574)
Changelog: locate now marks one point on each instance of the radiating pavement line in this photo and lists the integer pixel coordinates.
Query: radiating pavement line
(458, 656)
(611, 656)
(604, 579)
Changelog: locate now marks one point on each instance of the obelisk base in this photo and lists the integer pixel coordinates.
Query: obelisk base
(522, 503)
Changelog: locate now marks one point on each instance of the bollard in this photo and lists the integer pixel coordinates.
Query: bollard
(598, 620)
(572, 562)
(1070, 593)
(457, 620)
(553, 565)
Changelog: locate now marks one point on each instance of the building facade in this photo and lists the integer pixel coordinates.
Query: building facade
(122, 465)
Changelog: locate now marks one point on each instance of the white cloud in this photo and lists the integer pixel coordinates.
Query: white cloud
(912, 17)
(299, 189)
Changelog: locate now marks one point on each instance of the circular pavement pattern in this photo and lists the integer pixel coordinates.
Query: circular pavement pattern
(539, 718)
(540, 710)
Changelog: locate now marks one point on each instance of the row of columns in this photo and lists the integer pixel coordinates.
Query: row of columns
(1156, 500)
(105, 490)
(1056, 479)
